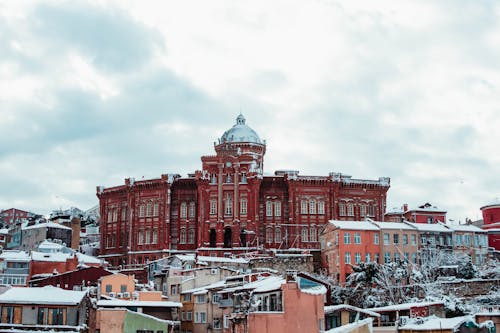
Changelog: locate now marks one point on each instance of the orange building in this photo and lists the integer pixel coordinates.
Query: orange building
(117, 285)
(347, 243)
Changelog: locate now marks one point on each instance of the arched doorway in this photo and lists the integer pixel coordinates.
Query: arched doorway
(228, 237)
(243, 238)
(213, 238)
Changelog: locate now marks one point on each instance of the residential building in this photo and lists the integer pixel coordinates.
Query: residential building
(472, 241)
(390, 315)
(229, 206)
(426, 213)
(343, 314)
(348, 243)
(119, 320)
(432, 238)
(13, 215)
(14, 267)
(79, 279)
(33, 235)
(397, 242)
(49, 307)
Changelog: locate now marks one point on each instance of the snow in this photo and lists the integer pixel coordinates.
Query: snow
(354, 225)
(204, 289)
(4, 231)
(53, 257)
(495, 202)
(392, 225)
(266, 284)
(44, 295)
(316, 290)
(13, 255)
(466, 227)
(333, 308)
(48, 245)
(433, 227)
(46, 225)
(222, 259)
(352, 326)
(133, 303)
(404, 306)
(435, 323)
(86, 259)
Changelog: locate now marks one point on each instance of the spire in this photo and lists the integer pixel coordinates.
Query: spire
(240, 120)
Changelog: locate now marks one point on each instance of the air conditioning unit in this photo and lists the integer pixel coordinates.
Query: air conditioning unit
(403, 320)
(135, 295)
(126, 295)
(112, 294)
(120, 295)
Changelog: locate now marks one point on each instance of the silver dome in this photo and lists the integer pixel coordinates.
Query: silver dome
(240, 132)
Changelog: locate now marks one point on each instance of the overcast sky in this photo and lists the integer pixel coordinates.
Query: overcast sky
(92, 93)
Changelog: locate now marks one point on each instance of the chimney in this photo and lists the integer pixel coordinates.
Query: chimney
(405, 208)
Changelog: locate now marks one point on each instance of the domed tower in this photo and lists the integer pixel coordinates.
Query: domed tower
(229, 186)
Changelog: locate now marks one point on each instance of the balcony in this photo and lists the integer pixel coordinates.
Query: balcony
(225, 303)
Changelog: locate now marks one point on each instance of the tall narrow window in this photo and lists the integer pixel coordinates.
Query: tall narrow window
(110, 215)
(191, 236)
(229, 206)
(357, 258)
(269, 235)
(350, 209)
(115, 214)
(277, 208)
(243, 206)
(321, 207)
(213, 207)
(192, 209)
(342, 211)
(313, 234)
(140, 239)
(269, 208)
(124, 213)
(347, 258)
(149, 209)
(182, 238)
(142, 210)
(312, 207)
(155, 236)
(148, 236)
(347, 238)
(357, 238)
(305, 235)
(277, 235)
(156, 209)
(183, 213)
(362, 210)
(213, 179)
(243, 178)
(303, 207)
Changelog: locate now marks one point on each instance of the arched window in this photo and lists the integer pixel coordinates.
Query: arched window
(182, 238)
(305, 235)
(313, 234)
(140, 238)
(269, 208)
(115, 214)
(342, 211)
(303, 207)
(321, 207)
(148, 236)
(110, 215)
(312, 207)
(243, 178)
(213, 207)
(149, 209)
(269, 235)
(191, 236)
(277, 235)
(350, 209)
(155, 236)
(183, 212)
(243, 206)
(156, 209)
(277, 208)
(213, 179)
(142, 210)
(192, 209)
(124, 213)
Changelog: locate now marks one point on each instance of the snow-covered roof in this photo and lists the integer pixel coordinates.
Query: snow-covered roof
(52, 256)
(354, 225)
(352, 326)
(333, 308)
(430, 227)
(404, 306)
(495, 202)
(263, 285)
(222, 259)
(240, 132)
(46, 225)
(434, 323)
(393, 225)
(44, 295)
(185, 257)
(4, 231)
(48, 245)
(427, 207)
(86, 259)
(134, 303)
(465, 228)
(316, 290)
(12, 255)
(204, 289)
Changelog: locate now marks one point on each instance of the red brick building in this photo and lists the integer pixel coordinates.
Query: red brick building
(11, 215)
(491, 223)
(425, 213)
(230, 206)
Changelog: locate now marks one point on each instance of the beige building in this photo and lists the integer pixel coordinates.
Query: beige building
(398, 242)
(470, 240)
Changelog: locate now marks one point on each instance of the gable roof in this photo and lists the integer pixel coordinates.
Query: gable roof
(43, 295)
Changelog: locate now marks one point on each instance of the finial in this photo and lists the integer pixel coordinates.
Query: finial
(240, 120)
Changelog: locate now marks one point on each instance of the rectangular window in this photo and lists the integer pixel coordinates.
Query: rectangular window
(405, 239)
(109, 288)
(367, 257)
(269, 235)
(229, 206)
(414, 258)
(217, 323)
(386, 239)
(155, 236)
(362, 210)
(376, 239)
(376, 257)
(123, 288)
(303, 207)
(387, 257)
(277, 208)
(156, 209)
(192, 209)
(226, 321)
(200, 299)
(347, 258)
(213, 207)
(407, 257)
(243, 206)
(305, 235)
(396, 257)
(200, 317)
(395, 238)
(350, 209)
(312, 207)
(371, 210)
(189, 315)
(347, 238)
(413, 240)
(357, 238)
(357, 258)
(186, 297)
